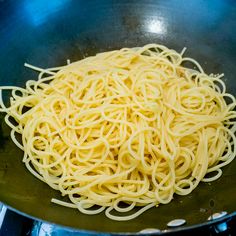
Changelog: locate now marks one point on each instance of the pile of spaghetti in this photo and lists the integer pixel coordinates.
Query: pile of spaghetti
(124, 128)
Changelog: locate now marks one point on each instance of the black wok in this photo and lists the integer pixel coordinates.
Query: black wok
(46, 33)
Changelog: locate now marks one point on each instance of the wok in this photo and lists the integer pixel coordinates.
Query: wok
(46, 33)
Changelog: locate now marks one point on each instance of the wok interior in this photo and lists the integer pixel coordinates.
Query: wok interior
(46, 33)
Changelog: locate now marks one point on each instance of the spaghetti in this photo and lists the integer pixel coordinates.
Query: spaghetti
(129, 126)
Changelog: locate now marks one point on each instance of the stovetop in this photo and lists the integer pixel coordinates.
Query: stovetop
(13, 224)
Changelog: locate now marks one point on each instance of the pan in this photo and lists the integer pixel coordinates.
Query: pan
(46, 33)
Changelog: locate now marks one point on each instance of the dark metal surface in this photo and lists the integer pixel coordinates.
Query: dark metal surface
(25, 226)
(15, 225)
(46, 33)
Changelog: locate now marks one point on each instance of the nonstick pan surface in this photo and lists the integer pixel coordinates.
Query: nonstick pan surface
(46, 33)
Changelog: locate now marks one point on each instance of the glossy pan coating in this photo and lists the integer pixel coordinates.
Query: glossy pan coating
(46, 33)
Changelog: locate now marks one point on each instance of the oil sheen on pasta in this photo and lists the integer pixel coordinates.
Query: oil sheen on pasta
(130, 126)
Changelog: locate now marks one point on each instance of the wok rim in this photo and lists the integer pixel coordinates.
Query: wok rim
(93, 232)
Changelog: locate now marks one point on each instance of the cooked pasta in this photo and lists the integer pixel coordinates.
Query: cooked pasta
(125, 130)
